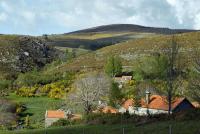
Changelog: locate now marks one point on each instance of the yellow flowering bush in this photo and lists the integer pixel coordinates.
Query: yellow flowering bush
(27, 91)
(44, 90)
(52, 90)
(56, 93)
(131, 82)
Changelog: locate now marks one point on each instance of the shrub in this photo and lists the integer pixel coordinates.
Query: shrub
(102, 118)
(62, 122)
(45, 89)
(4, 85)
(27, 91)
(56, 93)
(40, 78)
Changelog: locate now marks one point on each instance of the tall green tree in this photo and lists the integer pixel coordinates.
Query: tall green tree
(163, 67)
(115, 95)
(151, 67)
(113, 66)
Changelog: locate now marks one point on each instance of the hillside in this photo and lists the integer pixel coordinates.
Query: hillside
(131, 51)
(93, 41)
(22, 54)
(132, 28)
(98, 37)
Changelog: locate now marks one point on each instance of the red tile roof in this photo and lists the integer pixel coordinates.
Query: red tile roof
(156, 102)
(109, 109)
(55, 114)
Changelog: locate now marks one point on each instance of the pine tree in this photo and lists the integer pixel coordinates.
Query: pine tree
(115, 95)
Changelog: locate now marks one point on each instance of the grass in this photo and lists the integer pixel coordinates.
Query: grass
(94, 41)
(78, 51)
(36, 107)
(184, 127)
(89, 36)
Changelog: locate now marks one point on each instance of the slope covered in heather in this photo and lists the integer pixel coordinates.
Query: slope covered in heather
(98, 37)
(131, 51)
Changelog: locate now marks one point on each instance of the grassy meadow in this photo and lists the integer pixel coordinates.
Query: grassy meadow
(36, 107)
(184, 127)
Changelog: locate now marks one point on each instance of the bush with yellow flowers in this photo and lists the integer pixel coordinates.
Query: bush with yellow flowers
(44, 90)
(52, 90)
(56, 93)
(27, 91)
(131, 82)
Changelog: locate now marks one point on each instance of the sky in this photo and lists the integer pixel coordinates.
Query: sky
(37, 17)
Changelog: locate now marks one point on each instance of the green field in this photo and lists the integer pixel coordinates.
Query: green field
(36, 107)
(186, 127)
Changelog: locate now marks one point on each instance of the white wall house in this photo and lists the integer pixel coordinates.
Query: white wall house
(155, 104)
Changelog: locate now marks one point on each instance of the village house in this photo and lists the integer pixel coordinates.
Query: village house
(123, 78)
(155, 104)
(53, 116)
(103, 108)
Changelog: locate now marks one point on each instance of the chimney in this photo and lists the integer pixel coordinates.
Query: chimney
(148, 97)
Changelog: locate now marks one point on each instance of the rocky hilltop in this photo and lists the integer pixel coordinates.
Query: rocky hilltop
(23, 53)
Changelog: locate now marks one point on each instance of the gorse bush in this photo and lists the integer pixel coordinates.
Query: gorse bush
(27, 91)
(55, 90)
(36, 83)
(56, 93)
(36, 77)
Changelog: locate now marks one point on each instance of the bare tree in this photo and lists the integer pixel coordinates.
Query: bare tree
(172, 54)
(91, 89)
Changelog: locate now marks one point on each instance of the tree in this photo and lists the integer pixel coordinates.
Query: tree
(113, 66)
(163, 67)
(172, 54)
(151, 67)
(115, 96)
(91, 89)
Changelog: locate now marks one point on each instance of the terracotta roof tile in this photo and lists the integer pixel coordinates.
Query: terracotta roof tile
(156, 102)
(55, 114)
(109, 109)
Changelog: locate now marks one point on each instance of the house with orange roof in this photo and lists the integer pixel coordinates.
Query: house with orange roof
(109, 109)
(155, 104)
(53, 116)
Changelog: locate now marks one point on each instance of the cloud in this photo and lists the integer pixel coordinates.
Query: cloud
(187, 12)
(3, 17)
(61, 16)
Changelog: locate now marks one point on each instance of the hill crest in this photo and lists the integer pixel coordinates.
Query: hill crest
(131, 28)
